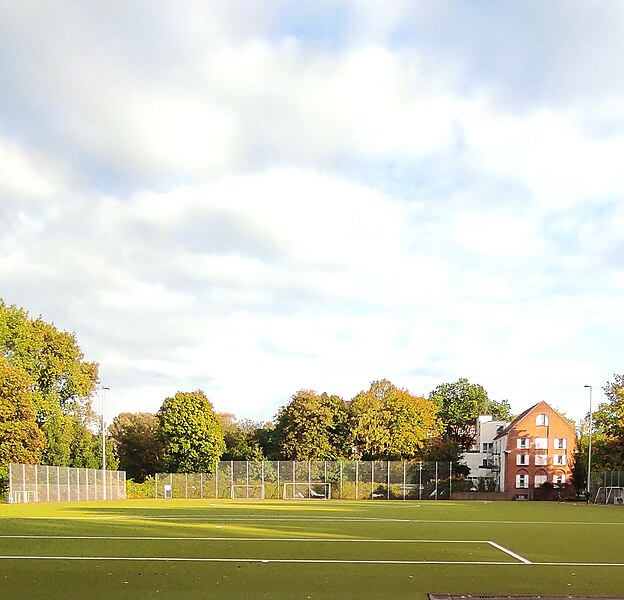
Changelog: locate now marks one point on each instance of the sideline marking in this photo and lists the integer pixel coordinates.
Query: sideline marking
(261, 560)
(308, 561)
(221, 518)
(241, 539)
(510, 553)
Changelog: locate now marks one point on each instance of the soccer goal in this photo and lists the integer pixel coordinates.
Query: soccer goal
(610, 495)
(314, 490)
(247, 491)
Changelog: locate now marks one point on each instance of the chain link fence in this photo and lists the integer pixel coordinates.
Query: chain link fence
(42, 483)
(344, 480)
(608, 487)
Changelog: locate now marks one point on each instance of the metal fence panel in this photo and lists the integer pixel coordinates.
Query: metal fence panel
(43, 483)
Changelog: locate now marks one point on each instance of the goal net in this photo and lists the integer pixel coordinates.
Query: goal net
(315, 490)
(247, 491)
(610, 495)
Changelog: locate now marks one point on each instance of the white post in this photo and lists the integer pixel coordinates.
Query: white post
(590, 442)
(103, 447)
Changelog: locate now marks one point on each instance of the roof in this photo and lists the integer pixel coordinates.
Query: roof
(520, 417)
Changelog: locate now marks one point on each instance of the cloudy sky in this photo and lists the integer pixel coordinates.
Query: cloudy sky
(255, 197)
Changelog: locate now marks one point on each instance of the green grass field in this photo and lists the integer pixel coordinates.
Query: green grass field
(308, 549)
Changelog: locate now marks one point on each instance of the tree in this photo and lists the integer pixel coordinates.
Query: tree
(241, 438)
(312, 426)
(21, 440)
(390, 423)
(190, 433)
(62, 383)
(608, 433)
(134, 439)
(459, 404)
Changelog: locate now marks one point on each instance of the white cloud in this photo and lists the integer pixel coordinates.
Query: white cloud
(403, 196)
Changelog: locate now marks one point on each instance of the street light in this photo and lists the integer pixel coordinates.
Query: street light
(103, 447)
(590, 441)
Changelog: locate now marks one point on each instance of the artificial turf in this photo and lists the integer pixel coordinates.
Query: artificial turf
(196, 549)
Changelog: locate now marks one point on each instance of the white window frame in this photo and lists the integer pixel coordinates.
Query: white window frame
(559, 478)
(522, 443)
(541, 420)
(559, 460)
(541, 459)
(540, 480)
(560, 443)
(522, 460)
(522, 481)
(541, 443)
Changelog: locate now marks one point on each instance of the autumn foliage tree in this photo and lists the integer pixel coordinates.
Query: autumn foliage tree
(61, 385)
(390, 423)
(21, 439)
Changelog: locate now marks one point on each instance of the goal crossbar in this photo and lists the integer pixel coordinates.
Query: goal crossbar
(610, 495)
(253, 491)
(306, 490)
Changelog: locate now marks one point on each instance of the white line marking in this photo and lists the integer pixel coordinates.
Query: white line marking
(510, 553)
(260, 560)
(238, 539)
(308, 561)
(221, 518)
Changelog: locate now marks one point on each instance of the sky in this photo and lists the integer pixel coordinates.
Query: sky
(256, 197)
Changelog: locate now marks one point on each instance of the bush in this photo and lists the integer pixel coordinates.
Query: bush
(135, 490)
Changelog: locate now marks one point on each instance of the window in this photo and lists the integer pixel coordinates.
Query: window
(522, 480)
(560, 443)
(541, 443)
(540, 480)
(488, 447)
(558, 478)
(523, 443)
(522, 459)
(541, 460)
(559, 459)
(541, 419)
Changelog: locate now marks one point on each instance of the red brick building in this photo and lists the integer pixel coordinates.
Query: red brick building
(536, 448)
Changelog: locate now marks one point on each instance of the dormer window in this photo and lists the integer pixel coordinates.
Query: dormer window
(541, 420)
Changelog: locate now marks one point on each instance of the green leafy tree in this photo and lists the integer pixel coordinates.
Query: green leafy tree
(62, 383)
(608, 432)
(21, 440)
(190, 433)
(390, 423)
(241, 438)
(459, 404)
(312, 426)
(136, 445)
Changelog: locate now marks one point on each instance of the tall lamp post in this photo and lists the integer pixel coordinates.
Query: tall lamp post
(103, 447)
(590, 441)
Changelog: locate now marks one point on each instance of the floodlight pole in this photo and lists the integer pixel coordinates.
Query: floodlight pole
(590, 441)
(103, 447)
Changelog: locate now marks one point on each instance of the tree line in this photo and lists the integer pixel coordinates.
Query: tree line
(46, 417)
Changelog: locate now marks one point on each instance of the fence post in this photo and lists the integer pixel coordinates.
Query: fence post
(450, 479)
(420, 479)
(436, 480)
(404, 479)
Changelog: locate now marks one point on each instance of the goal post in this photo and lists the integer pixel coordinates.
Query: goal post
(247, 491)
(610, 495)
(313, 490)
